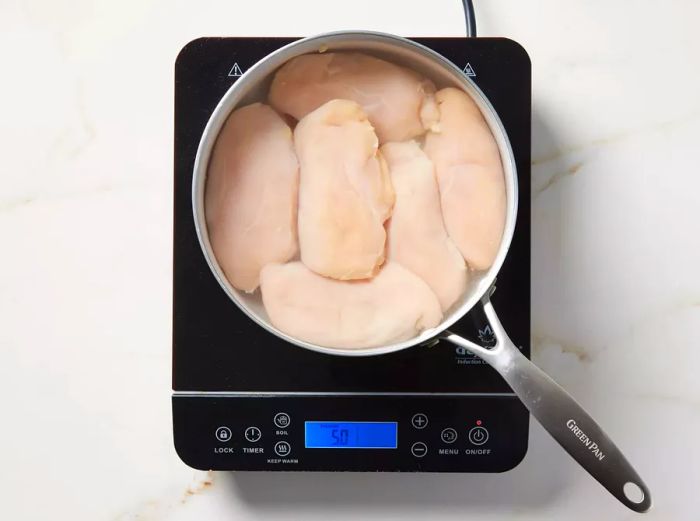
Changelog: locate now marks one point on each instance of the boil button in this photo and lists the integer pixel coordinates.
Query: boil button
(282, 420)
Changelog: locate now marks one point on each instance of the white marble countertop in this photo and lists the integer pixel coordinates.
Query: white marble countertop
(85, 220)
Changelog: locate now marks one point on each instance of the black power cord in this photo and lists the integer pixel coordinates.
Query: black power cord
(469, 17)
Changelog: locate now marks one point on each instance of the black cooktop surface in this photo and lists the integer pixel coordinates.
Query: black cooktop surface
(217, 348)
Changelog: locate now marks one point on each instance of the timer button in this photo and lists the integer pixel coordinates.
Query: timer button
(282, 448)
(282, 420)
(419, 421)
(478, 435)
(419, 449)
(252, 434)
(223, 434)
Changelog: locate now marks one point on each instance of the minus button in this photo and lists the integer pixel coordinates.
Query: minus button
(419, 449)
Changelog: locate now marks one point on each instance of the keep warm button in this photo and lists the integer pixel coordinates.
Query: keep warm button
(282, 448)
(478, 435)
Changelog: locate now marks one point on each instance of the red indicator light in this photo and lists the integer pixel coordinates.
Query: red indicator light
(478, 422)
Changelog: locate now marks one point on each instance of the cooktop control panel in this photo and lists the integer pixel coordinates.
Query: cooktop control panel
(360, 433)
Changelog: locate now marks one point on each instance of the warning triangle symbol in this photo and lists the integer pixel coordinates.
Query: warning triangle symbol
(235, 70)
(469, 70)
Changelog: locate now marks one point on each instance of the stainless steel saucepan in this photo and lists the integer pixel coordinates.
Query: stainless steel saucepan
(558, 412)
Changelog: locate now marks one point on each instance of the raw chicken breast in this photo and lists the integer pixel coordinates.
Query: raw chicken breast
(416, 234)
(251, 194)
(470, 178)
(345, 193)
(393, 306)
(400, 103)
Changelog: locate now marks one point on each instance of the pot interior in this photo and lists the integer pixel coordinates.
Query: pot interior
(254, 85)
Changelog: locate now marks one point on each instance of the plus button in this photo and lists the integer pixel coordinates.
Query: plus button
(419, 421)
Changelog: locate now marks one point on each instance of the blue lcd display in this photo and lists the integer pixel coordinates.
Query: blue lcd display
(351, 435)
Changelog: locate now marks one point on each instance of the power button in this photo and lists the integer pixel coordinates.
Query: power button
(478, 435)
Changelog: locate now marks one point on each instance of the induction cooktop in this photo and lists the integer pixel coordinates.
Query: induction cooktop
(244, 399)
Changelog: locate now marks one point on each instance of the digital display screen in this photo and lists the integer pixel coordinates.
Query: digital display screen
(351, 435)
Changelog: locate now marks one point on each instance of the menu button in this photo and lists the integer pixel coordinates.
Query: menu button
(448, 435)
